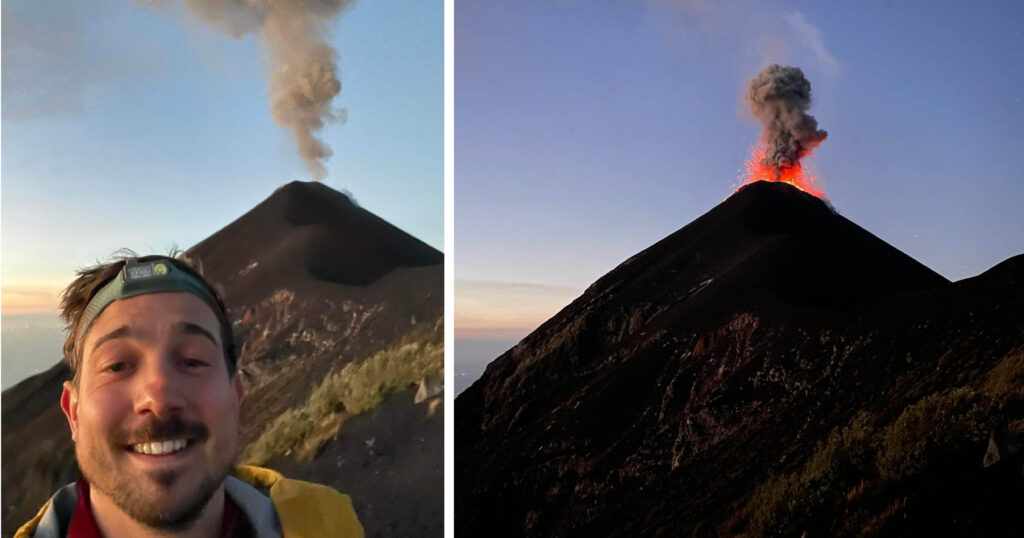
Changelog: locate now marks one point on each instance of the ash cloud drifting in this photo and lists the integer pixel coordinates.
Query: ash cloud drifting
(304, 76)
(780, 97)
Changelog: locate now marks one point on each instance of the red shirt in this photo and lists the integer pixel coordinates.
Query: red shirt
(83, 525)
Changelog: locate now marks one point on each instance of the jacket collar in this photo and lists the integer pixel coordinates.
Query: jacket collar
(254, 503)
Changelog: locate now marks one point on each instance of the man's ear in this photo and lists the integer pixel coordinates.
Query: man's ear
(69, 404)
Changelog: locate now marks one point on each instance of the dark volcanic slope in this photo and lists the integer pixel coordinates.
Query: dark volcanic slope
(312, 282)
(315, 281)
(306, 233)
(390, 449)
(767, 244)
(719, 357)
(38, 455)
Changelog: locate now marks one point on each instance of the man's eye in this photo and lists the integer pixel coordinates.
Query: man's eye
(116, 367)
(195, 363)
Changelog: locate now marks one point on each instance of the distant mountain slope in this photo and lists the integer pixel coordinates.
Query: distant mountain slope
(715, 361)
(312, 282)
(307, 233)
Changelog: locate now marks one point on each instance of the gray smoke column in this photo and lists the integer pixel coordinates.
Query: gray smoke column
(779, 97)
(304, 76)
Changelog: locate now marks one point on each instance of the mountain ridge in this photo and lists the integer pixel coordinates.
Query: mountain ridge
(697, 377)
(305, 228)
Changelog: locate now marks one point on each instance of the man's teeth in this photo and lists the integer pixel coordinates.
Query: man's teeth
(160, 447)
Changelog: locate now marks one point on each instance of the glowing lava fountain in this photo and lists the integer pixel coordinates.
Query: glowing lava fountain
(795, 174)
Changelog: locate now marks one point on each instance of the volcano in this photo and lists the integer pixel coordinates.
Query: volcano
(769, 369)
(314, 284)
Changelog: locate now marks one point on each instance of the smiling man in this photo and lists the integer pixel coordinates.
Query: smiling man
(154, 413)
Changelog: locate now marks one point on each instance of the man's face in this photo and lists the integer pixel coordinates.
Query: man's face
(155, 414)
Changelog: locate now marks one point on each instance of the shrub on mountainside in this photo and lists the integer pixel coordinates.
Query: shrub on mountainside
(356, 388)
(858, 461)
(1005, 382)
(934, 430)
(837, 464)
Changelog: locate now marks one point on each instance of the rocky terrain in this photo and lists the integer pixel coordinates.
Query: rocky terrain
(769, 369)
(318, 290)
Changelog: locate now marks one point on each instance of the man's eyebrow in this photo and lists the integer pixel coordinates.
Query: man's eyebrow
(191, 328)
(120, 332)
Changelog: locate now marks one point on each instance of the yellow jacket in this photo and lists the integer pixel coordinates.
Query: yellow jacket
(302, 509)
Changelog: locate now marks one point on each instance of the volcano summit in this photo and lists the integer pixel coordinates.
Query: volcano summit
(769, 369)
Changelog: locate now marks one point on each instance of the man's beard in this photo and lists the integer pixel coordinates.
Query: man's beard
(104, 476)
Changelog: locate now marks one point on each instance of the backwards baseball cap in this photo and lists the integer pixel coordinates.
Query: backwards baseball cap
(141, 278)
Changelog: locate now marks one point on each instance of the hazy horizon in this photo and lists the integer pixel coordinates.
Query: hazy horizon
(30, 344)
(472, 355)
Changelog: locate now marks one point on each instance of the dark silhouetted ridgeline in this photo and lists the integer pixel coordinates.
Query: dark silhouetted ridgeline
(769, 369)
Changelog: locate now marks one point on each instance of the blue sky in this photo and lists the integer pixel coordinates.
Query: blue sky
(587, 130)
(137, 125)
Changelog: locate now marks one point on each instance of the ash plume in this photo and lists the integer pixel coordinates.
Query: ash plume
(304, 76)
(779, 97)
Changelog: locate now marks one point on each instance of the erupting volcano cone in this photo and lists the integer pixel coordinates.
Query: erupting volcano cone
(719, 357)
(796, 175)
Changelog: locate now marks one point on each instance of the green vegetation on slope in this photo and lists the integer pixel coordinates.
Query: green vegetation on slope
(358, 387)
(837, 464)
(861, 461)
(1006, 381)
(934, 429)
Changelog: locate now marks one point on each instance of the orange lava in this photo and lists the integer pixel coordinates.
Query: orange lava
(797, 175)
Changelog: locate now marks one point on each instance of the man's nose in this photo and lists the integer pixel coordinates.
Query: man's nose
(159, 391)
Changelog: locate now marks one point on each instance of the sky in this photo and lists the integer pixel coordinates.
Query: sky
(135, 124)
(585, 131)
